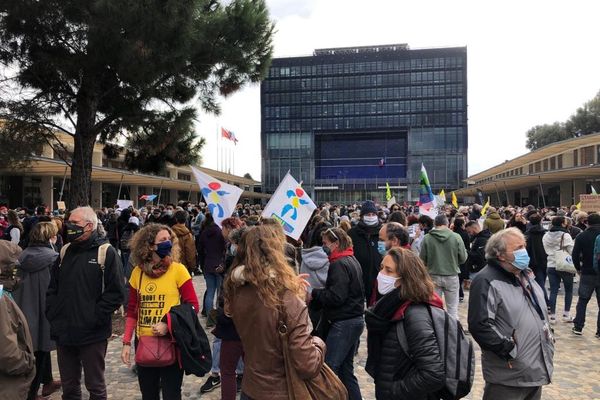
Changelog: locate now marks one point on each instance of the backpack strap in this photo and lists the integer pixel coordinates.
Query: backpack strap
(401, 335)
(63, 251)
(102, 260)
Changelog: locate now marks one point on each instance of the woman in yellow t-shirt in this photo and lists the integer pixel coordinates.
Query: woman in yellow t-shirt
(158, 282)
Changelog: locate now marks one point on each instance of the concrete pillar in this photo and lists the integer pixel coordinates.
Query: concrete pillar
(97, 157)
(173, 194)
(566, 194)
(134, 193)
(46, 191)
(578, 188)
(97, 195)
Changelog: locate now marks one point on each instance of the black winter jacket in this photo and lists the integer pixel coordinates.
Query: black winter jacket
(78, 311)
(192, 343)
(397, 376)
(538, 259)
(476, 260)
(343, 296)
(364, 242)
(583, 250)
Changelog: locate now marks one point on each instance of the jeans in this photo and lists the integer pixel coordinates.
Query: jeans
(154, 380)
(587, 285)
(213, 283)
(342, 343)
(216, 359)
(447, 285)
(71, 359)
(555, 277)
(540, 278)
(43, 373)
(493, 391)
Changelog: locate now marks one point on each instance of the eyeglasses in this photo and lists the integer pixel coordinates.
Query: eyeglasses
(332, 233)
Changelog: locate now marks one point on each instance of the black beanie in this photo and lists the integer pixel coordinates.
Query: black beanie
(368, 207)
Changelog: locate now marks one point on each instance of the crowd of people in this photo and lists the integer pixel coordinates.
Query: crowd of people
(286, 313)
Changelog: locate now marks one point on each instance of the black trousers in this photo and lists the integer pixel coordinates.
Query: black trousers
(43, 373)
(90, 358)
(154, 380)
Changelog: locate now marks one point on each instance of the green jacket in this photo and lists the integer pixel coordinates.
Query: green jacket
(442, 251)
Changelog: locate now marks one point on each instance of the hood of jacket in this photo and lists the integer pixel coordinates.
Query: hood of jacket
(536, 230)
(553, 237)
(494, 215)
(315, 258)
(484, 234)
(37, 258)
(181, 230)
(441, 235)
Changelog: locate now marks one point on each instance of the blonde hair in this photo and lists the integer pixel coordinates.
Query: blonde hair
(142, 241)
(42, 232)
(261, 254)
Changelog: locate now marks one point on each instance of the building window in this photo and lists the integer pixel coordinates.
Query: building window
(553, 163)
(587, 155)
(531, 168)
(575, 158)
(184, 177)
(559, 161)
(545, 165)
(538, 166)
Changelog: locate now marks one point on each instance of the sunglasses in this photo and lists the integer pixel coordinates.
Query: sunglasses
(332, 233)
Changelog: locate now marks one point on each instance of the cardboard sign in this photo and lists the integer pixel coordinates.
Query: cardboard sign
(61, 205)
(590, 202)
(123, 204)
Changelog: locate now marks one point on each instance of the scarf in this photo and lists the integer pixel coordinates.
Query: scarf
(337, 254)
(158, 270)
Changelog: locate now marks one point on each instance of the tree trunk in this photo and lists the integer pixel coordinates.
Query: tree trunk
(80, 192)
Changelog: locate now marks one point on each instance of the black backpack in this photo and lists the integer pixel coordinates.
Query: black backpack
(455, 349)
(125, 238)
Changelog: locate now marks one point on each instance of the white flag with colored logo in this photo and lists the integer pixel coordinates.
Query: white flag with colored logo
(221, 198)
(290, 206)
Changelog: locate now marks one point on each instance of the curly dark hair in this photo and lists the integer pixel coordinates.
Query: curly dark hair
(142, 240)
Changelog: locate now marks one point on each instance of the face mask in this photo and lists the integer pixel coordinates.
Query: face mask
(370, 220)
(169, 212)
(74, 232)
(189, 209)
(233, 249)
(521, 259)
(385, 284)
(381, 247)
(327, 250)
(163, 249)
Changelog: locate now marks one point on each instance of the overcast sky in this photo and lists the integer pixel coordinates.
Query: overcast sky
(529, 63)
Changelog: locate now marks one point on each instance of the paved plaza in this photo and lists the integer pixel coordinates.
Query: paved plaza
(576, 366)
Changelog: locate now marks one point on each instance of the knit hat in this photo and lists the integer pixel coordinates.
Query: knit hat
(368, 207)
(134, 220)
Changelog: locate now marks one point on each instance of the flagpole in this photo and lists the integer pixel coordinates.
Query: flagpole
(217, 129)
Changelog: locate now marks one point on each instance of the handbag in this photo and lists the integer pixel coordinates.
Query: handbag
(325, 386)
(154, 351)
(563, 260)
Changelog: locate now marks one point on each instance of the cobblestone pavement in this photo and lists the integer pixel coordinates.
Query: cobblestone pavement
(576, 366)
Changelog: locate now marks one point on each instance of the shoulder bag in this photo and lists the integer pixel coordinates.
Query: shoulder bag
(563, 260)
(154, 351)
(325, 386)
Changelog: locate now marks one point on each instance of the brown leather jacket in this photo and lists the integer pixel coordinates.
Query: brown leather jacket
(264, 371)
(17, 362)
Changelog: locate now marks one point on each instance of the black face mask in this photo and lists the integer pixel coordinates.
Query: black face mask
(74, 231)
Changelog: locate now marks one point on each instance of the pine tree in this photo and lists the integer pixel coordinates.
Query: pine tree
(132, 72)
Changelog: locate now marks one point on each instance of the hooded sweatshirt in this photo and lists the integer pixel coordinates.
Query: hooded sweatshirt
(494, 223)
(443, 251)
(315, 263)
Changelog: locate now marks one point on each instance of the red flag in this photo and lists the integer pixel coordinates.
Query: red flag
(225, 133)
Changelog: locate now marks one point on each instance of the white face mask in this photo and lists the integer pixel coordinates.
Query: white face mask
(385, 284)
(370, 220)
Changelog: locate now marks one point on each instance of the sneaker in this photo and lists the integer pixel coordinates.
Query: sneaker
(577, 331)
(567, 319)
(461, 299)
(238, 381)
(211, 384)
(552, 318)
(597, 335)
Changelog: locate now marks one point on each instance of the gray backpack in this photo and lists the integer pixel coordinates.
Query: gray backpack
(455, 349)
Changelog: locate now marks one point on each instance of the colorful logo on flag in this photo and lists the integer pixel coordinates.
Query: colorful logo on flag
(290, 206)
(214, 196)
(221, 198)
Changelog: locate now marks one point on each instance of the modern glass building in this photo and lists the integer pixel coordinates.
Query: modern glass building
(347, 120)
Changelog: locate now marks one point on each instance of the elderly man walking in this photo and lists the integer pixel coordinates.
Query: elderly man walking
(508, 318)
(443, 251)
(86, 287)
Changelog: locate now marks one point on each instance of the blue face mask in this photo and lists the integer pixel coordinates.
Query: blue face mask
(327, 250)
(521, 259)
(381, 247)
(163, 249)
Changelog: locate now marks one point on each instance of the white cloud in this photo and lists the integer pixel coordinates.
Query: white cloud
(529, 63)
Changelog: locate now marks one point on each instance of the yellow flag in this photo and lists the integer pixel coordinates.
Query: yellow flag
(388, 192)
(442, 193)
(454, 200)
(485, 207)
(578, 205)
(593, 190)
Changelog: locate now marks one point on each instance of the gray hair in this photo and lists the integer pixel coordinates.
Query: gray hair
(496, 245)
(441, 220)
(87, 214)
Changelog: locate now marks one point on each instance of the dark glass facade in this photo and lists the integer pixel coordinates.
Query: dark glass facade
(346, 121)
